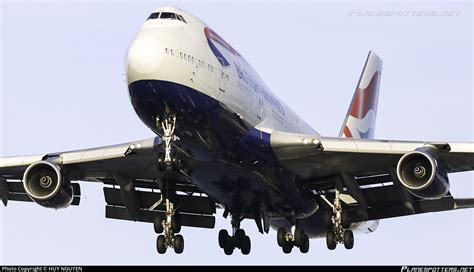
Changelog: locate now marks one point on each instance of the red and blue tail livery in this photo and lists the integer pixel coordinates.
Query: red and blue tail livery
(362, 113)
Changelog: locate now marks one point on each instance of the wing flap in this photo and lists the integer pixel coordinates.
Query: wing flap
(183, 203)
(188, 220)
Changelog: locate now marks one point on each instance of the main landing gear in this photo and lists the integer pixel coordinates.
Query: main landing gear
(168, 227)
(296, 237)
(338, 221)
(238, 239)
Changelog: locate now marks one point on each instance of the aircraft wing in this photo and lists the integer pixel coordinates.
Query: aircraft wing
(366, 173)
(92, 164)
(313, 157)
(129, 171)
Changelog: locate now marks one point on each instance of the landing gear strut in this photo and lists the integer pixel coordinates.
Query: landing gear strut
(171, 224)
(296, 237)
(238, 239)
(339, 221)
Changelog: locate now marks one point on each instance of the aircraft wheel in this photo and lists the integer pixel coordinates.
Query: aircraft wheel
(177, 162)
(176, 223)
(287, 248)
(245, 248)
(178, 244)
(223, 238)
(228, 249)
(331, 240)
(299, 237)
(305, 247)
(348, 239)
(157, 225)
(239, 237)
(160, 244)
(281, 234)
(161, 162)
(345, 219)
(327, 219)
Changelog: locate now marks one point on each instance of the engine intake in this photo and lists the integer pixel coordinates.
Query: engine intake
(420, 172)
(47, 185)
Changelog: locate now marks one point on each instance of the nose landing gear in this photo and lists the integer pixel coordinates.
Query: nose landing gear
(171, 225)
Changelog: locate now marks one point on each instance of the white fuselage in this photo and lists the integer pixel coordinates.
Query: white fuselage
(180, 52)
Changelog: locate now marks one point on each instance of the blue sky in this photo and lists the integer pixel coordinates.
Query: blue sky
(63, 87)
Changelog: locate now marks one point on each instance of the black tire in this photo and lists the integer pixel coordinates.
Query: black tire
(177, 162)
(305, 247)
(246, 245)
(281, 237)
(348, 239)
(178, 244)
(346, 219)
(331, 240)
(287, 248)
(327, 220)
(239, 237)
(160, 244)
(161, 162)
(176, 223)
(229, 249)
(223, 238)
(299, 237)
(157, 225)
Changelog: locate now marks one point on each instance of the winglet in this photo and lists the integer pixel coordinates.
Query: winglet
(361, 115)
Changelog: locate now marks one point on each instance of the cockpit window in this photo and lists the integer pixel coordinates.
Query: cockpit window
(154, 15)
(181, 18)
(166, 15)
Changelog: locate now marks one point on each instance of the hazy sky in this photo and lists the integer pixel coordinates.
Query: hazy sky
(62, 88)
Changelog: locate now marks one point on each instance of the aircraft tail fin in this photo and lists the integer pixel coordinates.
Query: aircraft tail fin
(361, 115)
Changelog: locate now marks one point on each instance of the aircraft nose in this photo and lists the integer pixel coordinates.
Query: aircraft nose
(144, 57)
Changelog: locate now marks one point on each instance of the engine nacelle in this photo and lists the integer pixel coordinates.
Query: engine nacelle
(46, 185)
(420, 172)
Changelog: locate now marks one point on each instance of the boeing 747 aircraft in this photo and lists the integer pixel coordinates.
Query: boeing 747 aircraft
(225, 141)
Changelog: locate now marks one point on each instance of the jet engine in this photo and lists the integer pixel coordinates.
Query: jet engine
(421, 173)
(47, 185)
